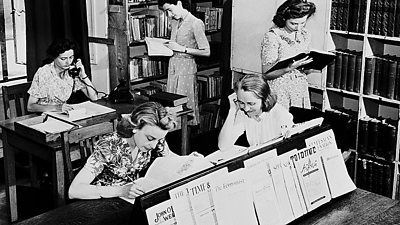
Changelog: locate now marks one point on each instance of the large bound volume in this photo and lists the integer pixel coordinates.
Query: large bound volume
(397, 87)
(351, 71)
(363, 136)
(334, 11)
(379, 17)
(369, 76)
(330, 74)
(377, 75)
(385, 17)
(380, 179)
(388, 182)
(391, 79)
(372, 17)
(354, 15)
(370, 176)
(391, 17)
(338, 70)
(397, 20)
(339, 17)
(357, 75)
(320, 60)
(345, 63)
(383, 80)
(363, 14)
(372, 136)
(345, 17)
(361, 173)
(169, 99)
(391, 144)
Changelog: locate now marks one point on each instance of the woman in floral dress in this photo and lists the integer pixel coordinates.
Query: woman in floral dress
(53, 85)
(188, 39)
(120, 158)
(286, 39)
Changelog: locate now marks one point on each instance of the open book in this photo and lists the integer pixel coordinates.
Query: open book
(320, 60)
(156, 47)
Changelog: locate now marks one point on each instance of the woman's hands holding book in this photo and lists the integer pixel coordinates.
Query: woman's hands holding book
(299, 63)
(175, 46)
(132, 190)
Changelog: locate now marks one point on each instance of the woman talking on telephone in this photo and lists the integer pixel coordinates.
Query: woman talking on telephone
(54, 83)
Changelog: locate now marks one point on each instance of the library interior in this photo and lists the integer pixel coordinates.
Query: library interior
(200, 112)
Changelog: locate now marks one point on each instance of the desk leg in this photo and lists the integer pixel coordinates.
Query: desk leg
(185, 136)
(10, 180)
(58, 179)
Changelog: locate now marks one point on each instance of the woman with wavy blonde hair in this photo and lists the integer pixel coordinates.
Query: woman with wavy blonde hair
(120, 157)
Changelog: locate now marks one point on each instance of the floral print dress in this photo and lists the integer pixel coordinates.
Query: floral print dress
(182, 69)
(50, 88)
(112, 163)
(290, 88)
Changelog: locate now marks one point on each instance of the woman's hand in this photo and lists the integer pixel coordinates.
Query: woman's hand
(299, 63)
(64, 108)
(79, 65)
(132, 190)
(233, 102)
(175, 46)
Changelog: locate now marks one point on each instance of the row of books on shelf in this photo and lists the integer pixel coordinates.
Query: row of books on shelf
(375, 176)
(384, 18)
(209, 117)
(145, 66)
(344, 72)
(348, 15)
(378, 137)
(211, 16)
(268, 188)
(382, 76)
(209, 85)
(145, 22)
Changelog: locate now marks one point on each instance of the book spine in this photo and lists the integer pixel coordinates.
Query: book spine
(357, 75)
(388, 182)
(334, 12)
(377, 75)
(372, 136)
(391, 18)
(351, 70)
(385, 17)
(354, 15)
(363, 14)
(369, 78)
(379, 17)
(397, 20)
(391, 79)
(372, 17)
(383, 82)
(338, 70)
(345, 17)
(345, 63)
(397, 88)
(330, 74)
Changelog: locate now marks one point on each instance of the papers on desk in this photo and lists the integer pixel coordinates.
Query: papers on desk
(53, 126)
(82, 111)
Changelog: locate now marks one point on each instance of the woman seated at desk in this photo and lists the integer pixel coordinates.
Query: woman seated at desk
(120, 157)
(54, 83)
(253, 109)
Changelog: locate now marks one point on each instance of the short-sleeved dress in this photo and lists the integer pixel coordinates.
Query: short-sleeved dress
(190, 32)
(272, 125)
(291, 88)
(50, 88)
(112, 163)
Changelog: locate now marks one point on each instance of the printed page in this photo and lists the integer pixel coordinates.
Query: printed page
(263, 192)
(292, 184)
(219, 156)
(310, 172)
(200, 197)
(156, 47)
(301, 127)
(82, 111)
(181, 204)
(337, 175)
(161, 214)
(285, 208)
(168, 169)
(53, 126)
(233, 199)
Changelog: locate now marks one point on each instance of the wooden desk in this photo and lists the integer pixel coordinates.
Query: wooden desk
(47, 151)
(357, 207)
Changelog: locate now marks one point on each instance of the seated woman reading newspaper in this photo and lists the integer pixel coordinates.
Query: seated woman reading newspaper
(253, 109)
(120, 157)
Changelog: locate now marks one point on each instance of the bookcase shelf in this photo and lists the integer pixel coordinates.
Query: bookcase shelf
(147, 79)
(374, 34)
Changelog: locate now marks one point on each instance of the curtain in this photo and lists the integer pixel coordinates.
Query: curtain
(47, 20)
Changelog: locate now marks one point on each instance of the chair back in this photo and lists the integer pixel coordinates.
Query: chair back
(15, 99)
(83, 139)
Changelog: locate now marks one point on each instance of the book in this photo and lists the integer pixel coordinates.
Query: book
(338, 70)
(330, 74)
(168, 98)
(351, 72)
(320, 60)
(156, 47)
(369, 76)
(345, 64)
(357, 75)
(54, 125)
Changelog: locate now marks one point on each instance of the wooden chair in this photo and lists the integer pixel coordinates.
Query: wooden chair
(17, 96)
(83, 139)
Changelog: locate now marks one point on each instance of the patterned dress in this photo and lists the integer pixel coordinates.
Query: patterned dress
(291, 88)
(50, 88)
(112, 163)
(190, 32)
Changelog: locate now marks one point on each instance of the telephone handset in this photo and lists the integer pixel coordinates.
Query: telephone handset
(73, 69)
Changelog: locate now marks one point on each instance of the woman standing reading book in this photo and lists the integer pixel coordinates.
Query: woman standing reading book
(188, 39)
(253, 109)
(287, 38)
